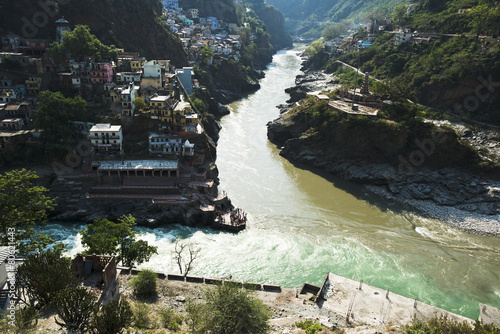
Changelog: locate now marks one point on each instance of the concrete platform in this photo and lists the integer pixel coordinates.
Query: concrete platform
(362, 303)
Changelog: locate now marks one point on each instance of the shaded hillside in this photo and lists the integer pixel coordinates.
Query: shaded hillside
(275, 24)
(308, 17)
(132, 25)
(222, 9)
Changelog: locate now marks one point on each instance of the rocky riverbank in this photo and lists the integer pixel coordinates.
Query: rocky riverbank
(467, 199)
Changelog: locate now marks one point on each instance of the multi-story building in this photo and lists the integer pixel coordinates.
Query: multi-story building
(129, 77)
(80, 73)
(185, 77)
(169, 144)
(33, 85)
(183, 118)
(106, 138)
(101, 73)
(128, 95)
(153, 75)
(161, 107)
(65, 79)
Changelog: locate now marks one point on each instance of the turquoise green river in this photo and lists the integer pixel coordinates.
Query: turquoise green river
(304, 224)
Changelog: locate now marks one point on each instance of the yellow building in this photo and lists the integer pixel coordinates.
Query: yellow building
(161, 107)
(33, 85)
(135, 65)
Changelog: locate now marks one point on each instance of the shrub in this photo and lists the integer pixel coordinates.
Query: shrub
(144, 284)
(26, 319)
(169, 319)
(230, 309)
(113, 317)
(309, 326)
(44, 275)
(449, 326)
(142, 315)
(75, 307)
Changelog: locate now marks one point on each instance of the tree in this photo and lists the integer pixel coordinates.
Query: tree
(398, 14)
(23, 206)
(113, 317)
(43, 276)
(75, 308)
(184, 254)
(335, 30)
(139, 103)
(198, 104)
(80, 44)
(230, 309)
(484, 18)
(55, 116)
(361, 32)
(313, 48)
(206, 54)
(118, 239)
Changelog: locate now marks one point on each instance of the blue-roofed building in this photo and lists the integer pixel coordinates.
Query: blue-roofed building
(214, 22)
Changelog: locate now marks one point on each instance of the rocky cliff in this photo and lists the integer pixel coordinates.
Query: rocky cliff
(275, 24)
(132, 25)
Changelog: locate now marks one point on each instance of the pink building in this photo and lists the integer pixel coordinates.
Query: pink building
(101, 73)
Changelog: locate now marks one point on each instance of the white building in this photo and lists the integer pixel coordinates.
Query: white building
(106, 138)
(403, 36)
(127, 96)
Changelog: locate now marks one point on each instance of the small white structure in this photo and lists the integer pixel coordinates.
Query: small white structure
(403, 36)
(106, 138)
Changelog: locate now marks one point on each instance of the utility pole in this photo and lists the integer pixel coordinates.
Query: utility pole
(355, 83)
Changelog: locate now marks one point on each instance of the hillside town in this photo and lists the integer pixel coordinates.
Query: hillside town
(164, 88)
(171, 168)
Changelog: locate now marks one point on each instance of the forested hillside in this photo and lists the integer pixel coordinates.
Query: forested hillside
(455, 67)
(307, 18)
(132, 25)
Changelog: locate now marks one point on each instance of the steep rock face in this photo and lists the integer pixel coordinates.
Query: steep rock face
(275, 23)
(222, 9)
(133, 25)
(228, 82)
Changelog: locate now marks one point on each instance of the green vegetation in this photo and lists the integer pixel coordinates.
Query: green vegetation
(144, 284)
(44, 275)
(26, 319)
(206, 54)
(139, 103)
(54, 117)
(313, 48)
(445, 325)
(229, 309)
(142, 315)
(113, 317)
(169, 319)
(308, 18)
(23, 206)
(81, 45)
(75, 308)
(309, 326)
(425, 71)
(117, 238)
(336, 29)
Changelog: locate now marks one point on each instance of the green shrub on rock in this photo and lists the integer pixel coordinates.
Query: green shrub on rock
(144, 284)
